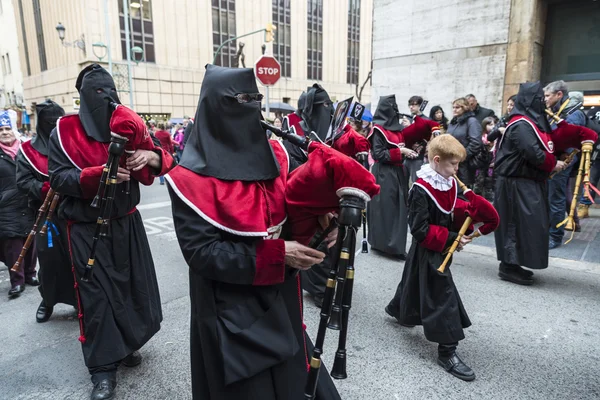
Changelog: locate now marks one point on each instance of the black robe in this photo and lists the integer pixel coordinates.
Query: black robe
(247, 336)
(387, 212)
(55, 275)
(120, 305)
(521, 197)
(425, 296)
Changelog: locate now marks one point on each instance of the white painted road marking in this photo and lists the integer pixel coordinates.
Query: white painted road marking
(152, 206)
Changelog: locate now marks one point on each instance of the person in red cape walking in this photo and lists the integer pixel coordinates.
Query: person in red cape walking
(427, 296)
(56, 278)
(247, 336)
(119, 307)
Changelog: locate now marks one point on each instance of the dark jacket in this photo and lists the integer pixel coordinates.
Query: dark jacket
(482, 113)
(16, 218)
(467, 131)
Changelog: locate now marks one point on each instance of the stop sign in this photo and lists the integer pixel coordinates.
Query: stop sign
(267, 70)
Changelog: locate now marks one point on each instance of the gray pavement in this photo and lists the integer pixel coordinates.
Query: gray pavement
(536, 342)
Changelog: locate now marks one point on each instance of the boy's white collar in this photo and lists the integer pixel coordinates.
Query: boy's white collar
(437, 181)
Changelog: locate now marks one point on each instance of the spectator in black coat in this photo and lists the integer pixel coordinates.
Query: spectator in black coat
(16, 218)
(480, 112)
(465, 127)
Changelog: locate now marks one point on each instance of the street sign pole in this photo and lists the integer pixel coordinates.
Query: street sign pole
(267, 110)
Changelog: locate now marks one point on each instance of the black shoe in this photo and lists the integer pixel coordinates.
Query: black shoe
(389, 311)
(456, 367)
(43, 312)
(512, 273)
(104, 390)
(554, 244)
(32, 281)
(15, 291)
(525, 272)
(132, 360)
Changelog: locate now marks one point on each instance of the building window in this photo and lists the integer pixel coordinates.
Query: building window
(283, 42)
(25, 47)
(223, 28)
(39, 31)
(353, 41)
(8, 67)
(141, 29)
(3, 65)
(315, 40)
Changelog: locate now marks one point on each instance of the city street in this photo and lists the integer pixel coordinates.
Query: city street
(538, 342)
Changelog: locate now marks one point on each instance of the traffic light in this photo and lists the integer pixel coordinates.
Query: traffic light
(270, 33)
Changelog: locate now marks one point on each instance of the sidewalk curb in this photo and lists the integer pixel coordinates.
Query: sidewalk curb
(554, 262)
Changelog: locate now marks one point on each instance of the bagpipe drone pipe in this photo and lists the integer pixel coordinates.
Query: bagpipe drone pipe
(568, 136)
(128, 134)
(475, 210)
(45, 211)
(330, 182)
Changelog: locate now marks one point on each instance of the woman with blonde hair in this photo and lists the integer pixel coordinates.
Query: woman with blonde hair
(467, 130)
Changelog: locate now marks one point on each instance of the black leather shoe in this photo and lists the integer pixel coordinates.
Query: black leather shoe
(32, 281)
(15, 291)
(318, 300)
(553, 244)
(132, 360)
(525, 272)
(456, 367)
(104, 390)
(43, 312)
(512, 273)
(389, 311)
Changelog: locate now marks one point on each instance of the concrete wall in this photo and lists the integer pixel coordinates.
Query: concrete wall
(441, 50)
(183, 45)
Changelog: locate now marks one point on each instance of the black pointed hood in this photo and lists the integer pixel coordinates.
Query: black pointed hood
(227, 140)
(48, 113)
(530, 103)
(317, 110)
(386, 114)
(96, 91)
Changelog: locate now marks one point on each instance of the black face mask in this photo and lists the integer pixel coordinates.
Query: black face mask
(386, 114)
(96, 91)
(48, 113)
(318, 111)
(530, 103)
(227, 140)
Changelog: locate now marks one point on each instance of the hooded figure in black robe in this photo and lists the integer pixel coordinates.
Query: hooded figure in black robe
(315, 113)
(247, 339)
(119, 307)
(387, 212)
(55, 275)
(524, 161)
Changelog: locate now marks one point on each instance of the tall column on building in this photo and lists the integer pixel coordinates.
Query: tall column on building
(527, 28)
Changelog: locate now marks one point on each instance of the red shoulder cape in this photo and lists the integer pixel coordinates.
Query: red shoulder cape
(544, 138)
(82, 150)
(445, 201)
(393, 138)
(351, 143)
(37, 160)
(241, 208)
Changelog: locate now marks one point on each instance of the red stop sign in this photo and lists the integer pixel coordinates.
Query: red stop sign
(267, 70)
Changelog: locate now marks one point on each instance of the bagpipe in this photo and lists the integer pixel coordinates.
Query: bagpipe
(46, 211)
(337, 131)
(567, 136)
(477, 210)
(132, 135)
(339, 185)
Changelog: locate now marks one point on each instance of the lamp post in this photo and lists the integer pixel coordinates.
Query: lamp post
(80, 43)
(128, 49)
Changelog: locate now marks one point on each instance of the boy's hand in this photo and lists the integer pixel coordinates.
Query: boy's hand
(463, 242)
